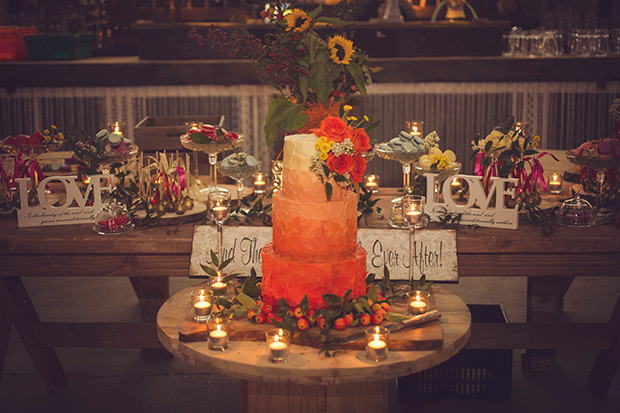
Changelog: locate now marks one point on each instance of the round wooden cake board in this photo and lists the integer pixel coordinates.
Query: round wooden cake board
(310, 381)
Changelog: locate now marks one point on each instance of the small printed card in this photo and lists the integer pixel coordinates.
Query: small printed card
(435, 251)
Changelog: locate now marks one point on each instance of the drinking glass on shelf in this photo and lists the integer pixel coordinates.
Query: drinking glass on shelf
(413, 215)
(218, 206)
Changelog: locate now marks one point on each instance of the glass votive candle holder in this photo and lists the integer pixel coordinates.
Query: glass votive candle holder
(218, 334)
(219, 286)
(260, 183)
(415, 127)
(377, 339)
(278, 345)
(418, 302)
(371, 183)
(117, 127)
(201, 305)
(193, 126)
(555, 183)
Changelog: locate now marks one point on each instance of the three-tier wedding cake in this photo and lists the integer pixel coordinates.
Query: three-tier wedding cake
(314, 249)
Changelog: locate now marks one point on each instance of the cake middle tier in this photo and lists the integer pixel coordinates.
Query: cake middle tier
(314, 230)
(293, 279)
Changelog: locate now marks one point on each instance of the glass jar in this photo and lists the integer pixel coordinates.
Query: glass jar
(577, 212)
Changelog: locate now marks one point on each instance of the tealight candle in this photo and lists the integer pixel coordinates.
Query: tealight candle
(260, 184)
(371, 182)
(555, 183)
(201, 301)
(278, 343)
(218, 336)
(415, 127)
(219, 286)
(413, 217)
(417, 302)
(219, 212)
(377, 343)
(455, 184)
(117, 127)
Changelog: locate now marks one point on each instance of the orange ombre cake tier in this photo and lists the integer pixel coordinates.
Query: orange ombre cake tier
(293, 279)
(314, 249)
(315, 230)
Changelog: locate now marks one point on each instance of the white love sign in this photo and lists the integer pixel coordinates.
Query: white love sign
(477, 210)
(45, 213)
(435, 251)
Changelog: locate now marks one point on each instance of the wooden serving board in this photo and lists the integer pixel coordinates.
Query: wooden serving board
(426, 336)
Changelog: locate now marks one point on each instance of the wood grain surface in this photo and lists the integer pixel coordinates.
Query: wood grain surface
(247, 360)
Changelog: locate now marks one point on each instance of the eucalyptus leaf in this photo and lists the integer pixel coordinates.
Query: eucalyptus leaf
(208, 270)
(332, 299)
(328, 190)
(214, 259)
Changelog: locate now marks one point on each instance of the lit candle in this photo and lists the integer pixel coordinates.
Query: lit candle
(413, 216)
(218, 285)
(219, 212)
(377, 343)
(218, 338)
(555, 183)
(415, 128)
(372, 183)
(418, 302)
(456, 184)
(278, 345)
(202, 307)
(259, 183)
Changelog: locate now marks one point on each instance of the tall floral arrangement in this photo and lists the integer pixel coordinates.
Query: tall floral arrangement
(510, 152)
(314, 72)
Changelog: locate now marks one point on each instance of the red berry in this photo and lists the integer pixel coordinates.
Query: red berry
(321, 322)
(267, 308)
(290, 312)
(250, 314)
(365, 319)
(348, 319)
(298, 313)
(340, 324)
(377, 318)
(310, 312)
(270, 318)
(260, 319)
(303, 324)
(385, 306)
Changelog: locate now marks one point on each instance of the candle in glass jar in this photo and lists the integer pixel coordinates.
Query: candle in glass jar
(219, 212)
(259, 183)
(555, 183)
(218, 338)
(278, 345)
(456, 184)
(377, 348)
(372, 183)
(202, 307)
(413, 216)
(377, 343)
(418, 302)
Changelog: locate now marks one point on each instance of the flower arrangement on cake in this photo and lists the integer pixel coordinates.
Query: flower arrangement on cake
(340, 149)
(509, 151)
(314, 74)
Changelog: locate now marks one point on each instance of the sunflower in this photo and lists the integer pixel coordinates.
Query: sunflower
(297, 20)
(340, 50)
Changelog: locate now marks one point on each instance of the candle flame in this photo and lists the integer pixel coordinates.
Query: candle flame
(377, 336)
(417, 298)
(371, 178)
(201, 297)
(218, 327)
(276, 338)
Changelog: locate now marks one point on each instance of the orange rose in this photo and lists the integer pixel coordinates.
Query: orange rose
(335, 129)
(358, 169)
(360, 140)
(340, 164)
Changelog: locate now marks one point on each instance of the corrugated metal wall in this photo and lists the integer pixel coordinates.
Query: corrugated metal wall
(564, 114)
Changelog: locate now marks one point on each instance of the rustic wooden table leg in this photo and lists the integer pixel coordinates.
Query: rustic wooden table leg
(607, 360)
(261, 397)
(152, 293)
(20, 310)
(545, 302)
(5, 332)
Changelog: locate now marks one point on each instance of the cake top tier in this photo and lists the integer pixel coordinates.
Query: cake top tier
(299, 151)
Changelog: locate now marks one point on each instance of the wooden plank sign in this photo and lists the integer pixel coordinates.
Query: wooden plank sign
(477, 210)
(45, 213)
(435, 251)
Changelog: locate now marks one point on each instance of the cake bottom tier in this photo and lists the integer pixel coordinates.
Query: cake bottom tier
(291, 279)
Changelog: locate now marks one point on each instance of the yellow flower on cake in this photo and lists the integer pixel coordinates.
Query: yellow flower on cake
(297, 20)
(340, 50)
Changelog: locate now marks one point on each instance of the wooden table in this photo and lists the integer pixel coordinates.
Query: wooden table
(312, 382)
(149, 257)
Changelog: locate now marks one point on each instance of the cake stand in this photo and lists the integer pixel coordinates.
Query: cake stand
(599, 165)
(211, 148)
(406, 159)
(238, 173)
(439, 179)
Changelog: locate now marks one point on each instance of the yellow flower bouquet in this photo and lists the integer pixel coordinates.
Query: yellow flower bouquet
(314, 72)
